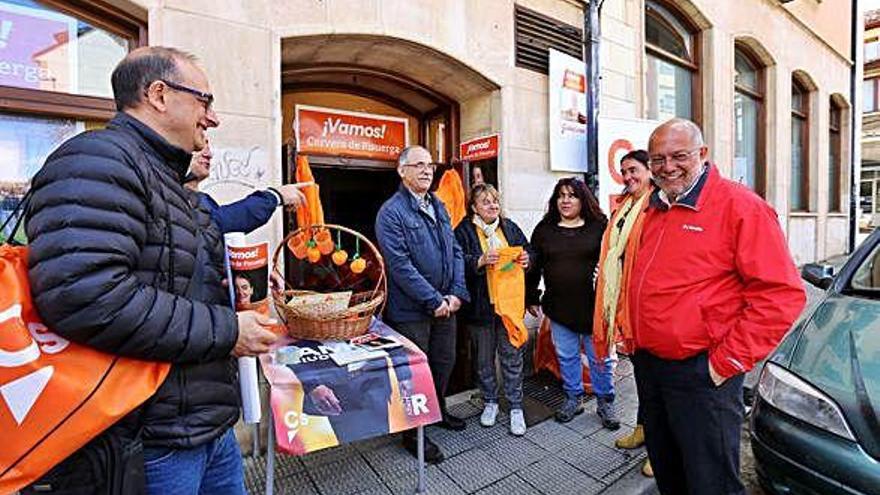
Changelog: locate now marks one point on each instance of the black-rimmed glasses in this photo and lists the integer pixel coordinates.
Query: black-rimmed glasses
(207, 99)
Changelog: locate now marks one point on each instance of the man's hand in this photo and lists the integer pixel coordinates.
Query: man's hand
(454, 304)
(442, 311)
(276, 282)
(291, 196)
(523, 260)
(490, 257)
(253, 338)
(534, 310)
(716, 378)
(325, 401)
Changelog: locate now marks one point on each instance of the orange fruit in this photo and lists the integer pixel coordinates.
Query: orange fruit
(340, 257)
(358, 265)
(313, 254)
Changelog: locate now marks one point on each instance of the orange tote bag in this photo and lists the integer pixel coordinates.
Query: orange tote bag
(55, 395)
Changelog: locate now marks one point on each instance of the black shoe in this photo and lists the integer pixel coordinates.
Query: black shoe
(606, 412)
(453, 423)
(569, 409)
(433, 454)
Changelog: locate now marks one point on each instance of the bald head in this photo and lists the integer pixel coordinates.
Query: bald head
(678, 125)
(677, 154)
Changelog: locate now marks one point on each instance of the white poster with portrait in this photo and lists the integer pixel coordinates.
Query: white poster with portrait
(568, 113)
(617, 137)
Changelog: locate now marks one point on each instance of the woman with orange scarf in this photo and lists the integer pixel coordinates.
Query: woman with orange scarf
(611, 324)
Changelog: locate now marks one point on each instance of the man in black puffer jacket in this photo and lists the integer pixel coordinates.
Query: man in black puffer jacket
(121, 260)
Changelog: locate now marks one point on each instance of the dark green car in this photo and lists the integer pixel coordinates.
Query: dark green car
(815, 428)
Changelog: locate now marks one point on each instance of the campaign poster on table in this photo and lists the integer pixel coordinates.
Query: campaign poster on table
(319, 403)
(568, 108)
(333, 132)
(618, 137)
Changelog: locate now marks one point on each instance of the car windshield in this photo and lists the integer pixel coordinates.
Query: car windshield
(866, 279)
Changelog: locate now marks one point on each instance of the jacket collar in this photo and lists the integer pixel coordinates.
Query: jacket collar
(411, 197)
(693, 199)
(175, 158)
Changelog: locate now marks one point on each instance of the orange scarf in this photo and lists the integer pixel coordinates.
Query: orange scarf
(623, 330)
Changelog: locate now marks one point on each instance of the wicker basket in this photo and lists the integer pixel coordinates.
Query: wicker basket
(331, 325)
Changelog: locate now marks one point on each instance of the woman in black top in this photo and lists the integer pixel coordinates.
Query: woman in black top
(566, 244)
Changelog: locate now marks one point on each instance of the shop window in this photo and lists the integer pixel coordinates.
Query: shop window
(55, 64)
(748, 125)
(800, 163)
(671, 51)
(834, 161)
(872, 50)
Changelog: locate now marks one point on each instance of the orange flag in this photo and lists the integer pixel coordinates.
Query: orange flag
(312, 213)
(451, 192)
(507, 281)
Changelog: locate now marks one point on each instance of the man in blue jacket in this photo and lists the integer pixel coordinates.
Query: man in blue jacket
(425, 276)
(246, 214)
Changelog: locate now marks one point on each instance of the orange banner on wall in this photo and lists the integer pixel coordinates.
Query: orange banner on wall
(328, 131)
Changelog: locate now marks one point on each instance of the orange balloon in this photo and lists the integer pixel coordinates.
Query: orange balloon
(313, 254)
(340, 257)
(358, 265)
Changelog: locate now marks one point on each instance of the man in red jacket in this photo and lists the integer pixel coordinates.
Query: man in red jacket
(713, 290)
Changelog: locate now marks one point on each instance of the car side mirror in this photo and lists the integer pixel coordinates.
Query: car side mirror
(818, 274)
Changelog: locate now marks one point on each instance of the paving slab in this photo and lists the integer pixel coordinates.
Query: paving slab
(553, 476)
(592, 458)
(509, 486)
(474, 469)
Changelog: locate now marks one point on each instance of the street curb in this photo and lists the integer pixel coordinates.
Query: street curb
(633, 483)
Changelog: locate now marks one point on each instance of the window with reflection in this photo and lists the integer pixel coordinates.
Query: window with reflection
(748, 121)
(61, 52)
(670, 46)
(800, 170)
(834, 161)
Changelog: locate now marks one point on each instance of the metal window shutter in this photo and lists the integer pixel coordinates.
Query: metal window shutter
(534, 33)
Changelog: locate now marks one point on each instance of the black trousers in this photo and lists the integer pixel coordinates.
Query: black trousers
(692, 427)
(436, 338)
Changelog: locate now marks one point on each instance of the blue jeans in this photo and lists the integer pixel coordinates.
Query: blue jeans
(568, 351)
(212, 468)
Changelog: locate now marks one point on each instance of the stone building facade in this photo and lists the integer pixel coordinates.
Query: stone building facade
(768, 81)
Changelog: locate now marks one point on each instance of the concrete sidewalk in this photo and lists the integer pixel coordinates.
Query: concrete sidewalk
(552, 458)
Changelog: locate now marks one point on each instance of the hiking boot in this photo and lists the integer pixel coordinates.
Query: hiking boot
(517, 422)
(570, 408)
(605, 410)
(632, 441)
(490, 412)
(647, 470)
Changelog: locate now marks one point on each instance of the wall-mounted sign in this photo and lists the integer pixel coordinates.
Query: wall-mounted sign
(328, 131)
(568, 109)
(480, 148)
(38, 49)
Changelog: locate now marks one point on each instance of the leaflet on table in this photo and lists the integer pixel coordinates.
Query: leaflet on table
(362, 348)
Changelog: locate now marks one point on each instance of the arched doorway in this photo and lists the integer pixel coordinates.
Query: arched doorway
(384, 77)
(381, 78)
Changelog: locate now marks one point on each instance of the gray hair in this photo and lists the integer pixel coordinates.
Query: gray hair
(135, 73)
(404, 157)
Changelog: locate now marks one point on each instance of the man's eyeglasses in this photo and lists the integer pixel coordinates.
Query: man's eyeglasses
(206, 99)
(422, 166)
(677, 158)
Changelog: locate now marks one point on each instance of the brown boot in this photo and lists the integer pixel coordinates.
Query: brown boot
(647, 470)
(632, 441)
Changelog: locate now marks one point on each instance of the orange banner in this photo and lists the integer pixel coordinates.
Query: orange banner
(327, 131)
